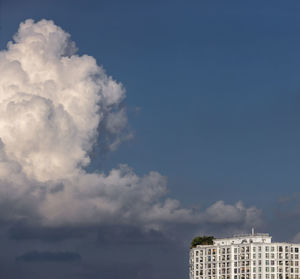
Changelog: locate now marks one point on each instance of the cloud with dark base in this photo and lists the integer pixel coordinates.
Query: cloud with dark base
(54, 107)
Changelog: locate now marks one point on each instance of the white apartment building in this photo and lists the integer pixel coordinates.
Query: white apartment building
(252, 256)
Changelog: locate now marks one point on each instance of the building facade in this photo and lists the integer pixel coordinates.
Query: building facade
(252, 256)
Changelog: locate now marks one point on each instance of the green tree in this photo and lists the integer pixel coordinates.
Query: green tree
(202, 240)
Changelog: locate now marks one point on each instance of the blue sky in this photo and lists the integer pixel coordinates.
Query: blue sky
(213, 90)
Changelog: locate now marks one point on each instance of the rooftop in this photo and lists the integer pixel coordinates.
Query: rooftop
(245, 238)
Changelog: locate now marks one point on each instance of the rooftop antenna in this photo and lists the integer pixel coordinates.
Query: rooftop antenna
(252, 231)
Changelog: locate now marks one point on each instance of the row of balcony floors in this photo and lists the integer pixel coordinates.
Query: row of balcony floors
(248, 276)
(245, 270)
(246, 264)
(249, 256)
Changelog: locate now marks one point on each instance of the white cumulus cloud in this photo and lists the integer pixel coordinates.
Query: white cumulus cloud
(54, 106)
(223, 213)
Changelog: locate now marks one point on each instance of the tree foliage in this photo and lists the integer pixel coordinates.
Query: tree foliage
(202, 240)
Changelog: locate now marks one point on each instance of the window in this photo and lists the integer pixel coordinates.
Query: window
(272, 269)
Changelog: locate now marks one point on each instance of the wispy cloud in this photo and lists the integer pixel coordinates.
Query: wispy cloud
(47, 256)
